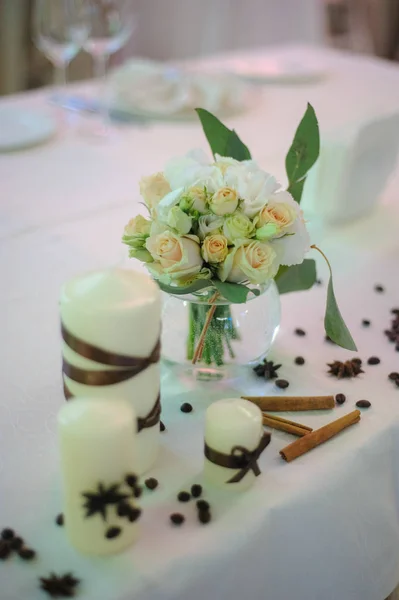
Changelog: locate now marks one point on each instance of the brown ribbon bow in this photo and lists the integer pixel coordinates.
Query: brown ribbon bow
(239, 458)
(130, 367)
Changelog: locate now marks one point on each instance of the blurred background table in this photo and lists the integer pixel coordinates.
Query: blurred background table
(325, 526)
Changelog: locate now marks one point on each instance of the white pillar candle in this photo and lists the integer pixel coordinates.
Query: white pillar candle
(97, 444)
(116, 312)
(231, 423)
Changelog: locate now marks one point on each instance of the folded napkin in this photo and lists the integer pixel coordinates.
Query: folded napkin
(166, 90)
(353, 169)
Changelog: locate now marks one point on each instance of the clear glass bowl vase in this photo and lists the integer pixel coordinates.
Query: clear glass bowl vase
(238, 334)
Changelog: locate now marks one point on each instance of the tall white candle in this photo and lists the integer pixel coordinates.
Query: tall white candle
(117, 311)
(229, 423)
(97, 445)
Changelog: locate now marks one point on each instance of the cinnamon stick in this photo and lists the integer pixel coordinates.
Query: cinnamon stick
(292, 403)
(311, 440)
(276, 418)
(283, 425)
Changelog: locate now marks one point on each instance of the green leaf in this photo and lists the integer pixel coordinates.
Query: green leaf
(297, 277)
(304, 151)
(334, 324)
(296, 189)
(234, 292)
(197, 285)
(222, 140)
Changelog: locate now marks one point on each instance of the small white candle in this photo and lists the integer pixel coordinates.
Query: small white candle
(117, 311)
(97, 445)
(231, 422)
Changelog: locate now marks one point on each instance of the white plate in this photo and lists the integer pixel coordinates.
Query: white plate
(21, 128)
(276, 69)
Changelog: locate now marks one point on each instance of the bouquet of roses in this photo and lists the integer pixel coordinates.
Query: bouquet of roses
(225, 228)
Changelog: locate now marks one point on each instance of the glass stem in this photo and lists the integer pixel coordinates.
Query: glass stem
(100, 73)
(60, 76)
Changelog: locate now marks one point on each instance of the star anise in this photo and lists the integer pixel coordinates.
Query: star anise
(349, 368)
(267, 369)
(97, 502)
(59, 586)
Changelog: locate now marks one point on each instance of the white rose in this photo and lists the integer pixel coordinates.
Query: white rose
(209, 224)
(153, 188)
(214, 248)
(295, 241)
(177, 256)
(167, 203)
(224, 201)
(279, 214)
(237, 227)
(178, 220)
(193, 170)
(136, 232)
(255, 262)
(253, 185)
(195, 198)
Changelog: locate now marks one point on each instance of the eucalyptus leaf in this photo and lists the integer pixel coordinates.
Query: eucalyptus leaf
(303, 152)
(297, 277)
(296, 189)
(197, 285)
(222, 140)
(234, 292)
(334, 324)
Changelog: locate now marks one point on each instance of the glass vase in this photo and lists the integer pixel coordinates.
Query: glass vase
(237, 335)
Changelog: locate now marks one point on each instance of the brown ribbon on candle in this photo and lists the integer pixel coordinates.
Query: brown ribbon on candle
(239, 458)
(130, 367)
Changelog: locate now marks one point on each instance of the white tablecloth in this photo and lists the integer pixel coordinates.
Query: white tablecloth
(325, 526)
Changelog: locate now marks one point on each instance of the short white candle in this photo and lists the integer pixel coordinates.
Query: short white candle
(117, 311)
(97, 445)
(231, 422)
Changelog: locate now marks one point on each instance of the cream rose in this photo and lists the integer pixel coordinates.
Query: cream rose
(214, 248)
(224, 201)
(136, 232)
(153, 188)
(194, 199)
(279, 214)
(237, 227)
(177, 256)
(255, 262)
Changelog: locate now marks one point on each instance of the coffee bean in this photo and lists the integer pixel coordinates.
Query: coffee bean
(299, 360)
(113, 532)
(204, 516)
(162, 426)
(394, 375)
(134, 514)
(131, 480)
(196, 490)
(300, 332)
(363, 404)
(27, 553)
(357, 360)
(137, 491)
(340, 398)
(397, 347)
(7, 534)
(123, 509)
(395, 311)
(60, 519)
(183, 497)
(5, 550)
(16, 543)
(282, 383)
(366, 323)
(177, 519)
(151, 483)
(203, 505)
(186, 407)
(379, 288)
(373, 360)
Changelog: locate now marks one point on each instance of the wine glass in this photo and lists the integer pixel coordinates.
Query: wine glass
(111, 25)
(59, 29)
